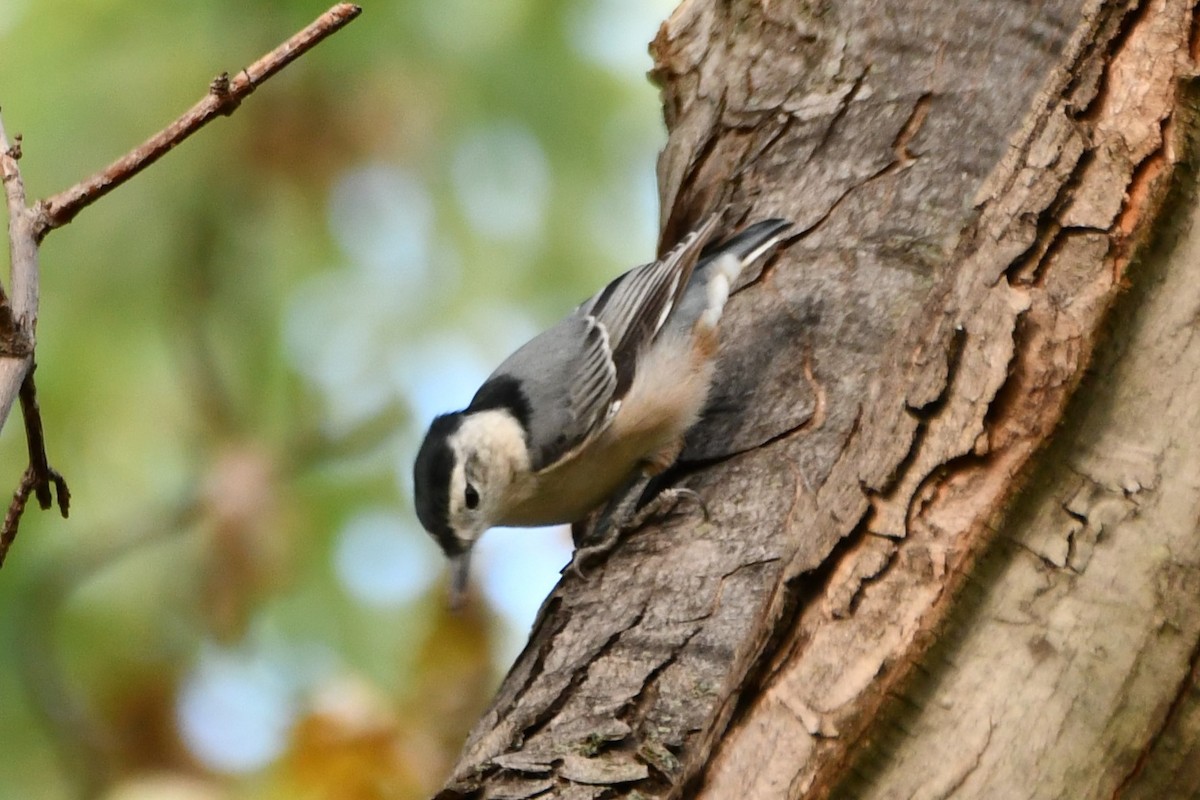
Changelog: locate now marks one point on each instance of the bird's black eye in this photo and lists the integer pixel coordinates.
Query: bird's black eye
(472, 497)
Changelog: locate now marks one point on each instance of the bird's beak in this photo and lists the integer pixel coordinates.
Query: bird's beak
(460, 572)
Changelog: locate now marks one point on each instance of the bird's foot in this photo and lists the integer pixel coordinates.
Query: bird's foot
(610, 529)
(602, 546)
(666, 503)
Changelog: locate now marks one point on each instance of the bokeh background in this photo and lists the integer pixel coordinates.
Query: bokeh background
(239, 351)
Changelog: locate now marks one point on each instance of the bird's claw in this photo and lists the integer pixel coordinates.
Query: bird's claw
(663, 503)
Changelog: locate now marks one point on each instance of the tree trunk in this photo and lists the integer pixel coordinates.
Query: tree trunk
(875, 607)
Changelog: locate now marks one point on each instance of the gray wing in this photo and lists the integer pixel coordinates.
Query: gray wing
(575, 374)
(560, 385)
(634, 307)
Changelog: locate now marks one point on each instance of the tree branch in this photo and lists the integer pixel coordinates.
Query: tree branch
(27, 226)
(35, 437)
(12, 519)
(224, 96)
(18, 314)
(39, 475)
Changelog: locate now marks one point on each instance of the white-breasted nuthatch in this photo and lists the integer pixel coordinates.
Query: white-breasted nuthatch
(603, 397)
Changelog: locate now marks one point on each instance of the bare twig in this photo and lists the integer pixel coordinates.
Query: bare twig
(12, 520)
(35, 437)
(224, 95)
(39, 475)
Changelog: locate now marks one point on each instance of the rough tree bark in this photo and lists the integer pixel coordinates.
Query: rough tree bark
(924, 574)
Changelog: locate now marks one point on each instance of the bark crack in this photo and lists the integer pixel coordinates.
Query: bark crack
(904, 156)
(543, 650)
(543, 716)
(1189, 681)
(840, 112)
(902, 159)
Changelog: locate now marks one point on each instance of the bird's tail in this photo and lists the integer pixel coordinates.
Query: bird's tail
(722, 263)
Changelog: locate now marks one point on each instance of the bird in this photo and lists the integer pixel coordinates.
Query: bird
(586, 412)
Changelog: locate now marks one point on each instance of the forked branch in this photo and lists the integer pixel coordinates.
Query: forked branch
(28, 226)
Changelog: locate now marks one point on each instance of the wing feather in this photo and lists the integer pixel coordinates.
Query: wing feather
(634, 307)
(576, 374)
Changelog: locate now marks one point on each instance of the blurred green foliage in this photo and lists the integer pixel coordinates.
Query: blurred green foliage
(236, 350)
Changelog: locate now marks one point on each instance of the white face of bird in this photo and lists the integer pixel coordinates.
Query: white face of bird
(489, 449)
(470, 493)
(452, 517)
(467, 521)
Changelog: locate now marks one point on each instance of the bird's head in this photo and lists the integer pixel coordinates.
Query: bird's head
(460, 479)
